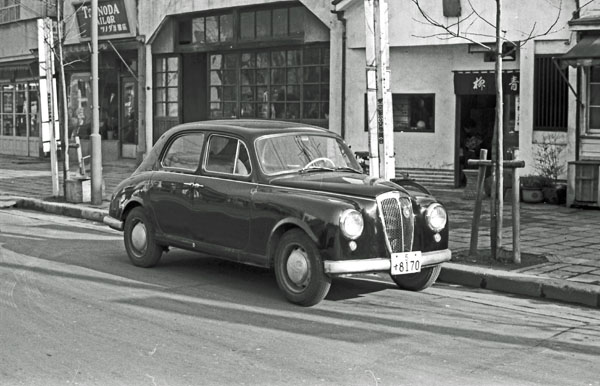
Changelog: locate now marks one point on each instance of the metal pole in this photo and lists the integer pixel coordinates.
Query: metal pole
(95, 136)
(372, 113)
(384, 75)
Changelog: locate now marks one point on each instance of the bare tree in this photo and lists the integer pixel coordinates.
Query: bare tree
(462, 28)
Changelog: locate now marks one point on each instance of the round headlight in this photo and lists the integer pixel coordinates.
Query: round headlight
(351, 223)
(436, 217)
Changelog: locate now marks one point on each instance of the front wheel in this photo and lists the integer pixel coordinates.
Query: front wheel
(138, 235)
(418, 281)
(299, 269)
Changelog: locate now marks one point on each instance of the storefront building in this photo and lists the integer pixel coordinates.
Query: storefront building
(243, 60)
(583, 60)
(443, 89)
(119, 79)
(19, 96)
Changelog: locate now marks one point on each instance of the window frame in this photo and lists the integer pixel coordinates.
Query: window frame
(588, 99)
(233, 175)
(10, 13)
(169, 146)
(398, 128)
(166, 86)
(548, 119)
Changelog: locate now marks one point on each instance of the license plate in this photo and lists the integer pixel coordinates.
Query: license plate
(406, 262)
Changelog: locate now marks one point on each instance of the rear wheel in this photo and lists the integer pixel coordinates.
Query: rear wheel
(418, 281)
(138, 235)
(299, 269)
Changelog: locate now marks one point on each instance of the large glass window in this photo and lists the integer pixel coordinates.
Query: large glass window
(166, 86)
(594, 98)
(288, 84)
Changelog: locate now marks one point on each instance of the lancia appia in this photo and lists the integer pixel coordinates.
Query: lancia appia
(280, 195)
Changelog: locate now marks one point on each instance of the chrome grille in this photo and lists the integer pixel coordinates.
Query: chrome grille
(399, 230)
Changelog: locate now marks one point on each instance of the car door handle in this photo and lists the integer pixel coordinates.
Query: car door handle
(199, 186)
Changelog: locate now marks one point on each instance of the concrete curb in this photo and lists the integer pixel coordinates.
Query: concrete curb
(520, 284)
(470, 276)
(64, 209)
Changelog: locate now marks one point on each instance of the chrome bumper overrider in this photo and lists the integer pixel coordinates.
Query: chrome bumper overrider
(379, 264)
(113, 223)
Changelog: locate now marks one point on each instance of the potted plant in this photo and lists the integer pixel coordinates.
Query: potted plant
(548, 163)
(531, 188)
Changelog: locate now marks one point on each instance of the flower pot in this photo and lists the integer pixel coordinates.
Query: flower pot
(532, 195)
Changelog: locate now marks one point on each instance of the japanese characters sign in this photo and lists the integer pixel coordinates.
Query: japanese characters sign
(112, 18)
(484, 83)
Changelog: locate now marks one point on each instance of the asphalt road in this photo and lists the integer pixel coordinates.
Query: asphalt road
(73, 310)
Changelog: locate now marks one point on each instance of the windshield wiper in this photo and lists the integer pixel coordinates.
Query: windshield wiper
(316, 168)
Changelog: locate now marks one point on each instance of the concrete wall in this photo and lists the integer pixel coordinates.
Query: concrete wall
(17, 40)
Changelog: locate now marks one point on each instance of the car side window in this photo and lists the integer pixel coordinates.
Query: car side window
(184, 153)
(228, 156)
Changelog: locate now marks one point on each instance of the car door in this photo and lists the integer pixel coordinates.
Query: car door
(222, 200)
(171, 191)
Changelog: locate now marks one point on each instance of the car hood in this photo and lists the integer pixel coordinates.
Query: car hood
(338, 182)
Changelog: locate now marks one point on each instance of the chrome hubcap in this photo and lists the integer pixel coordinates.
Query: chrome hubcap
(139, 237)
(297, 266)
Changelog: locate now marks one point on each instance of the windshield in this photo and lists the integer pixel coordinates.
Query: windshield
(303, 152)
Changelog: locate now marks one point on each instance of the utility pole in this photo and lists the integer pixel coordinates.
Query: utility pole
(379, 97)
(96, 183)
(47, 98)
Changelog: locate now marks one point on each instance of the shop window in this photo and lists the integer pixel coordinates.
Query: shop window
(411, 112)
(166, 87)
(10, 10)
(550, 96)
(290, 84)
(7, 112)
(594, 99)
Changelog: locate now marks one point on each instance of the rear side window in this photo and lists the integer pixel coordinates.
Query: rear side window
(184, 153)
(227, 155)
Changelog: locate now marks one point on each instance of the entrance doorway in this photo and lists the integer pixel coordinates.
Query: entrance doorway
(475, 129)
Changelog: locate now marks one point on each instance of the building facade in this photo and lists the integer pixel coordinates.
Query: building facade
(443, 89)
(19, 95)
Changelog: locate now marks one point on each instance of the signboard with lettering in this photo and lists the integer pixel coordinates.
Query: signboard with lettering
(112, 18)
(484, 83)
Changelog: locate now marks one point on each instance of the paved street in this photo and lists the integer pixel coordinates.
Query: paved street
(73, 310)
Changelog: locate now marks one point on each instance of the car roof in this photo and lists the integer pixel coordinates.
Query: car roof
(250, 128)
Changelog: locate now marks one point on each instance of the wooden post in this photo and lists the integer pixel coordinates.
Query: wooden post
(477, 210)
(516, 214)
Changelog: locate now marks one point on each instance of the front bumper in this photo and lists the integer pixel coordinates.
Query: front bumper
(113, 223)
(381, 264)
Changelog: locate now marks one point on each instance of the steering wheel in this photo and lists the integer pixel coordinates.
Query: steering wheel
(320, 159)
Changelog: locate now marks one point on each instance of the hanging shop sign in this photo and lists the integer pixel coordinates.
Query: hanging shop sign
(112, 18)
(484, 83)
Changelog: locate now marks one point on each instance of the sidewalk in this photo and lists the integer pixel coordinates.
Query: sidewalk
(569, 238)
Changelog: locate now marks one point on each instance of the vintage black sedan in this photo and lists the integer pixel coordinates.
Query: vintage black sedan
(281, 195)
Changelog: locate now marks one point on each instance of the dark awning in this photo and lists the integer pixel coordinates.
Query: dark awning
(18, 69)
(585, 53)
(484, 82)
